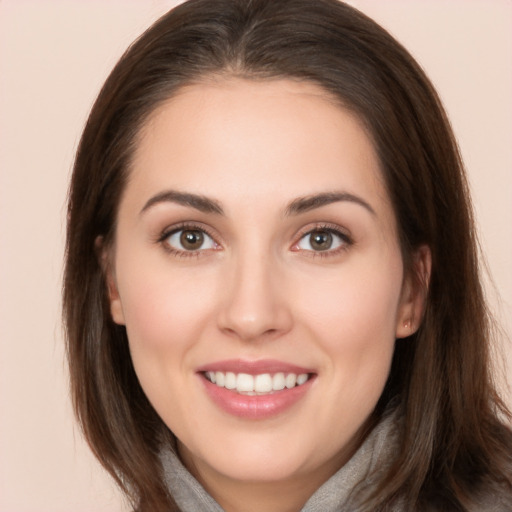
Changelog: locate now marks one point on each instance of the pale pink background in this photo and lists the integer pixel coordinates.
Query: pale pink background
(54, 55)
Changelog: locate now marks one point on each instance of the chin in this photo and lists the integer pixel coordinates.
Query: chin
(266, 456)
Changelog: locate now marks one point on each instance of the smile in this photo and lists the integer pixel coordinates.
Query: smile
(256, 385)
(256, 390)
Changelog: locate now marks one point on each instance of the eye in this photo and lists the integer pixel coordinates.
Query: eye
(323, 239)
(189, 240)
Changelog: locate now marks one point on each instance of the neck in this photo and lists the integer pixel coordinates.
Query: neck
(258, 497)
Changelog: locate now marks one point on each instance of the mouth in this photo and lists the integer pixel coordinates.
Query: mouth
(256, 390)
(256, 385)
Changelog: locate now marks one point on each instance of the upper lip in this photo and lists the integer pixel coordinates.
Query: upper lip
(253, 367)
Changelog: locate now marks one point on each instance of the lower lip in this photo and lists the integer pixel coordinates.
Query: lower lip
(255, 407)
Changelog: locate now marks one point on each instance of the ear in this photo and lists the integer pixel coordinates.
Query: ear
(414, 293)
(104, 255)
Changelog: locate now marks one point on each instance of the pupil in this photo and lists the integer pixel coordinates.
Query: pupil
(321, 240)
(191, 240)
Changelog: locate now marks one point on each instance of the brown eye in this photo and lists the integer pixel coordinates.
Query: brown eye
(320, 240)
(190, 240)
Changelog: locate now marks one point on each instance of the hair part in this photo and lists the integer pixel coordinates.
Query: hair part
(453, 444)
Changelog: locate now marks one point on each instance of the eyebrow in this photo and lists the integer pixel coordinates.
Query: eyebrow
(199, 202)
(307, 203)
(296, 207)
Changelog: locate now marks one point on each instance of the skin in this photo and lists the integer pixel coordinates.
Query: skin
(257, 288)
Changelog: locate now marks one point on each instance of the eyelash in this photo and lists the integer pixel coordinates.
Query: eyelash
(346, 240)
(184, 227)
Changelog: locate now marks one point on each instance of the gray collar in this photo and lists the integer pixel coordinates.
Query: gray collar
(334, 495)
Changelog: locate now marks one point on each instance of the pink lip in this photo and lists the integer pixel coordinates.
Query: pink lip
(253, 367)
(255, 407)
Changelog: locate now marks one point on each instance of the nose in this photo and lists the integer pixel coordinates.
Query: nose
(256, 304)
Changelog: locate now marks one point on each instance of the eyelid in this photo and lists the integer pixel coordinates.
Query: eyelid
(185, 226)
(334, 229)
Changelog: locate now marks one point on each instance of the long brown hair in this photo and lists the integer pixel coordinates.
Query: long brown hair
(454, 448)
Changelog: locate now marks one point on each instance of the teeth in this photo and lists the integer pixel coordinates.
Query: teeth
(244, 383)
(219, 379)
(302, 378)
(262, 383)
(230, 381)
(290, 380)
(278, 381)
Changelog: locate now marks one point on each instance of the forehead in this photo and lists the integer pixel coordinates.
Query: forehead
(234, 138)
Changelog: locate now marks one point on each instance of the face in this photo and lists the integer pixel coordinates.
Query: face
(257, 269)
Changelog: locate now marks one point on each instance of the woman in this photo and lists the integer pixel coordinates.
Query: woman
(271, 295)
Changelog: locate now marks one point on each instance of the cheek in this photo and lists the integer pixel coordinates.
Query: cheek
(353, 318)
(354, 304)
(164, 311)
(165, 315)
